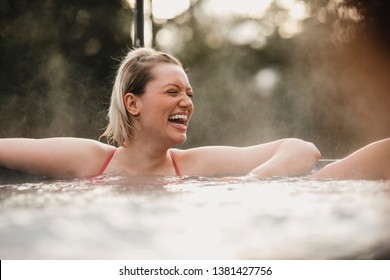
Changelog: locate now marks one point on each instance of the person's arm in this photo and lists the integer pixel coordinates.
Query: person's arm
(285, 157)
(291, 157)
(53, 157)
(372, 162)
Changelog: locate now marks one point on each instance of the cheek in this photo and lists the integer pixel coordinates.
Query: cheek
(192, 111)
(154, 117)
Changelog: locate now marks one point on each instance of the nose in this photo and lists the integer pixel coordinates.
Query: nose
(186, 101)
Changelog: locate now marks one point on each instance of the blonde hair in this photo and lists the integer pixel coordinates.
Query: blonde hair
(134, 72)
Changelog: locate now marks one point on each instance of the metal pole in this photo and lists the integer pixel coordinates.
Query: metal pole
(139, 24)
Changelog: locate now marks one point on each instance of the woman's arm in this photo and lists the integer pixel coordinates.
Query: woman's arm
(372, 162)
(53, 157)
(291, 157)
(286, 157)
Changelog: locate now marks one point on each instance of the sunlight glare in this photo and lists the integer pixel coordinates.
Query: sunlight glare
(299, 10)
(227, 8)
(290, 28)
(266, 80)
(168, 9)
(291, 25)
(286, 4)
(169, 39)
(245, 33)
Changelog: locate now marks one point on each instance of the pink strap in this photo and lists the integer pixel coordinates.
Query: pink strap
(106, 162)
(174, 164)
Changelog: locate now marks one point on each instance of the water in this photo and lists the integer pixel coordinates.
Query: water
(194, 218)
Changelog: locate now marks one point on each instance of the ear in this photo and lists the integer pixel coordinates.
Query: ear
(131, 103)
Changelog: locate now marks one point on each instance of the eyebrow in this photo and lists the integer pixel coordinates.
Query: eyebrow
(176, 85)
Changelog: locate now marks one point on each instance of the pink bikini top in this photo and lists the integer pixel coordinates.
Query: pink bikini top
(106, 162)
(174, 164)
(104, 166)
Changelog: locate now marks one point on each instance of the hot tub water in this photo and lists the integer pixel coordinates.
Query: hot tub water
(195, 218)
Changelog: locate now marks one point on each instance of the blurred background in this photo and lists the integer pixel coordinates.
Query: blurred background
(260, 69)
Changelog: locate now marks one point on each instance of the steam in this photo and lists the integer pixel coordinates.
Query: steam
(326, 81)
(46, 90)
(60, 100)
(330, 86)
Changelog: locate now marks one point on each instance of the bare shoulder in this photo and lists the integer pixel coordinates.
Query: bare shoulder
(213, 160)
(87, 155)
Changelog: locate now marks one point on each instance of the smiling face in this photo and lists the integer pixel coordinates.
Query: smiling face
(166, 106)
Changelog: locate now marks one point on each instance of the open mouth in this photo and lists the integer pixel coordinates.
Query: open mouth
(179, 120)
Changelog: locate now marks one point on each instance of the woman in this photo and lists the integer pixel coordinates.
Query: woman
(149, 114)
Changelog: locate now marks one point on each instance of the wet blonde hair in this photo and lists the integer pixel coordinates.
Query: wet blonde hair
(134, 72)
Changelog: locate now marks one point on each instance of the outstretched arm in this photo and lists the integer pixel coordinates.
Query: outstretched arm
(286, 157)
(53, 157)
(371, 162)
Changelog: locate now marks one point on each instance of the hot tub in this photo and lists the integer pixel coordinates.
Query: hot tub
(194, 218)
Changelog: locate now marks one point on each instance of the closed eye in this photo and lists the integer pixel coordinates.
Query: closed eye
(175, 92)
(172, 91)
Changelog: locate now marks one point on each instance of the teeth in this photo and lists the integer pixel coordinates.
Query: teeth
(175, 117)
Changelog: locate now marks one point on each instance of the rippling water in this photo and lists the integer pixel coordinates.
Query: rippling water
(195, 218)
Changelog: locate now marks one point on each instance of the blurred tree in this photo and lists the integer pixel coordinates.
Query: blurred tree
(57, 64)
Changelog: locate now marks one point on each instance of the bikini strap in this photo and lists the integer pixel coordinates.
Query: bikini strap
(174, 164)
(106, 162)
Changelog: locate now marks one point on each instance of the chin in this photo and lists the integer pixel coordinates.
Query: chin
(181, 140)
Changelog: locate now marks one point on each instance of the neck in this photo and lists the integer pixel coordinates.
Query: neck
(139, 157)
